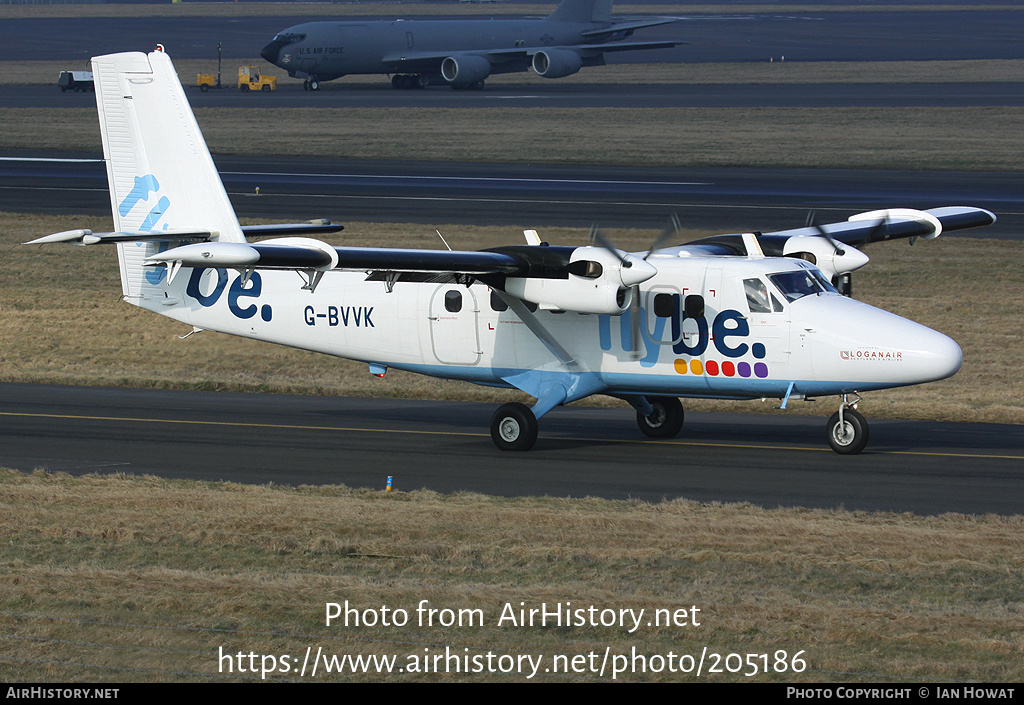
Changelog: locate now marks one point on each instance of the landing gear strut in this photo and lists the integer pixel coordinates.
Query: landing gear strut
(847, 430)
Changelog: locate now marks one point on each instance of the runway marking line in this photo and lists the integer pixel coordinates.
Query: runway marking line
(469, 434)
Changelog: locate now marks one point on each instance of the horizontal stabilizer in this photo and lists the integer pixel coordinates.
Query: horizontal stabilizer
(88, 237)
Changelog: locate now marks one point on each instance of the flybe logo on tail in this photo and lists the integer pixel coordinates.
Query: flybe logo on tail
(144, 186)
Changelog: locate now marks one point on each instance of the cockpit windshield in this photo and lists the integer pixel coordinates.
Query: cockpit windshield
(803, 282)
(285, 39)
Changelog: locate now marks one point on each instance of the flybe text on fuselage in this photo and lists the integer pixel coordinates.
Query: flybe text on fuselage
(241, 303)
(728, 334)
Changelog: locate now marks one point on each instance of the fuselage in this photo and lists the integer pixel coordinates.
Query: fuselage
(770, 328)
(330, 50)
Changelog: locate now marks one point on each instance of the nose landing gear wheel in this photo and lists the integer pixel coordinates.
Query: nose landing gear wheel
(514, 427)
(850, 436)
(666, 420)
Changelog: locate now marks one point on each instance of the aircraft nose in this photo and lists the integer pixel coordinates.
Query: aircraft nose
(940, 357)
(270, 52)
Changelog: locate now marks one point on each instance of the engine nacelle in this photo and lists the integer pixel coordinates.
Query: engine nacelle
(556, 63)
(831, 258)
(465, 69)
(597, 283)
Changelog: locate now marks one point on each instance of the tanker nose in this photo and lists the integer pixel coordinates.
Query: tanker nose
(270, 52)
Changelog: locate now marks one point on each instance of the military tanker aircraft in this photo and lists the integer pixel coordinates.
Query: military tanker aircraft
(460, 53)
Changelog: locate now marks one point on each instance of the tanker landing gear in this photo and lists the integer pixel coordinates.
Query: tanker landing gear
(407, 81)
(311, 84)
(847, 430)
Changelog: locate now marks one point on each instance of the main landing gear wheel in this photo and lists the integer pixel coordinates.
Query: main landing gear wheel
(850, 436)
(514, 427)
(666, 419)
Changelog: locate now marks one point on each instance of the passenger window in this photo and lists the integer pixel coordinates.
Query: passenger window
(757, 296)
(453, 301)
(664, 305)
(497, 304)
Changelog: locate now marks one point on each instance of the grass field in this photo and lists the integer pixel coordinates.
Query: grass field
(870, 138)
(143, 579)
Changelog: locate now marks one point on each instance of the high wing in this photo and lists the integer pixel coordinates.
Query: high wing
(833, 247)
(899, 223)
(859, 230)
(300, 253)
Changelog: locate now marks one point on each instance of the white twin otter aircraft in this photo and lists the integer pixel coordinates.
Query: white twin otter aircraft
(728, 317)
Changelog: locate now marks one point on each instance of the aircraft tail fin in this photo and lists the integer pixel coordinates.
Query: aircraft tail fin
(159, 170)
(583, 11)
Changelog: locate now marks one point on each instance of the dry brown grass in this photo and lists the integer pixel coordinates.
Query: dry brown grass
(875, 138)
(61, 321)
(116, 578)
(777, 72)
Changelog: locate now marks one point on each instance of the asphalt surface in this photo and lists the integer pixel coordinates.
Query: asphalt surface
(771, 460)
(805, 36)
(723, 199)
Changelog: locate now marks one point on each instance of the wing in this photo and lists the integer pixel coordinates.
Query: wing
(859, 230)
(896, 224)
(430, 61)
(833, 247)
(628, 27)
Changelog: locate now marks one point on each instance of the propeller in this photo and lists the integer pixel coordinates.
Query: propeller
(842, 277)
(811, 223)
(634, 279)
(669, 232)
